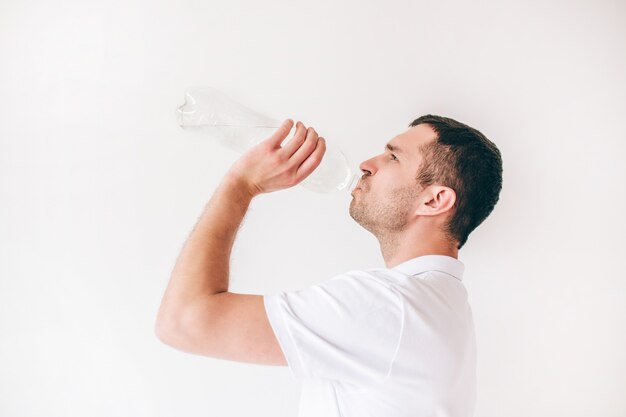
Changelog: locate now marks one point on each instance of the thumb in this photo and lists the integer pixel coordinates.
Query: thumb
(281, 133)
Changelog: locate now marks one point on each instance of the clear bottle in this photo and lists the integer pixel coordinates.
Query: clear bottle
(238, 127)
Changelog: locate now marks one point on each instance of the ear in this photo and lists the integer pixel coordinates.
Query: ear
(436, 199)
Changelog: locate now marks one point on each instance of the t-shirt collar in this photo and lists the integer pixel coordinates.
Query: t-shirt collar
(442, 263)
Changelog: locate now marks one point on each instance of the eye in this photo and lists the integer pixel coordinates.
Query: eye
(394, 157)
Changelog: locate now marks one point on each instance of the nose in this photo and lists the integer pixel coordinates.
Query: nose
(368, 167)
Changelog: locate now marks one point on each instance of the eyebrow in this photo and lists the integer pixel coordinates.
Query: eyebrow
(393, 148)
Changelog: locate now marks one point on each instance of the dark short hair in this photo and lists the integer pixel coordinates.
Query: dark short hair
(463, 159)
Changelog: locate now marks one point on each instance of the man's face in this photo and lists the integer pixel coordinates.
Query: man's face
(387, 194)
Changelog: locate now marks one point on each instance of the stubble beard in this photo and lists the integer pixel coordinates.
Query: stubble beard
(384, 216)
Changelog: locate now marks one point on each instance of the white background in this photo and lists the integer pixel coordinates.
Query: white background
(99, 188)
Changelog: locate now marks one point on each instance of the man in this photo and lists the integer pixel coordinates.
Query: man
(394, 341)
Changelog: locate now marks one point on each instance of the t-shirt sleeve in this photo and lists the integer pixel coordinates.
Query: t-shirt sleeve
(345, 329)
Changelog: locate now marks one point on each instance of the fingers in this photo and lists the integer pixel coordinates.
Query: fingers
(312, 161)
(296, 141)
(281, 133)
(303, 152)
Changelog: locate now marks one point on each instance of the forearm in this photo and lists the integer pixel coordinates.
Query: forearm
(202, 268)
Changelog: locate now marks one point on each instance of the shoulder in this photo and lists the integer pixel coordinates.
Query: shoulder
(371, 287)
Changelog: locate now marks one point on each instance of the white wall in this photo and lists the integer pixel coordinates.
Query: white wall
(99, 188)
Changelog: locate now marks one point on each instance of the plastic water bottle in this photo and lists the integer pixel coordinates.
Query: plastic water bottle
(238, 127)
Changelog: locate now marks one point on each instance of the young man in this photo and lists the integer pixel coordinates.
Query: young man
(394, 341)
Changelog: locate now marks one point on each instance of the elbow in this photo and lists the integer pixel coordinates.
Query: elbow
(176, 326)
(160, 332)
(171, 333)
(165, 327)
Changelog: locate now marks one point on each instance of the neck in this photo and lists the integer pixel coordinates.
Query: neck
(397, 248)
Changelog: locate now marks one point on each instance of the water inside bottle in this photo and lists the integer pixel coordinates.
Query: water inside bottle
(332, 174)
(236, 138)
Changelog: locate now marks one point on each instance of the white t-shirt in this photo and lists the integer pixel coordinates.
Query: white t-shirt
(382, 342)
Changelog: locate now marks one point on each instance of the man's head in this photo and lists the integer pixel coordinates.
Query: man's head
(438, 181)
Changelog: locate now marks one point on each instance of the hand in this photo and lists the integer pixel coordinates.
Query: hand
(269, 167)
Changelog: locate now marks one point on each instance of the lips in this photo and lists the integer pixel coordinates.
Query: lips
(359, 186)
